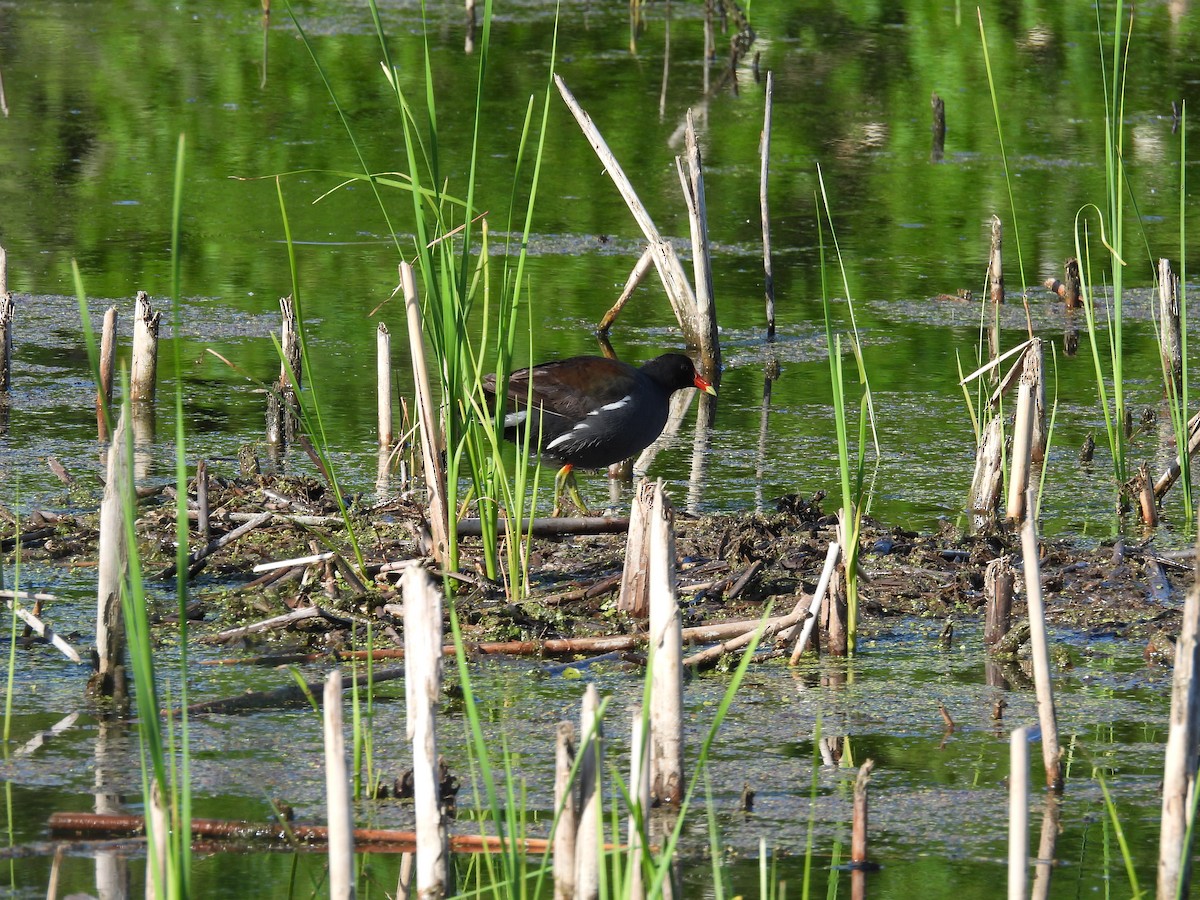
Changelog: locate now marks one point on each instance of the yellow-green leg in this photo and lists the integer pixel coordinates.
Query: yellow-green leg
(566, 479)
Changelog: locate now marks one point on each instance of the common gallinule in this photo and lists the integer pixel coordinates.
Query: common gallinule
(591, 411)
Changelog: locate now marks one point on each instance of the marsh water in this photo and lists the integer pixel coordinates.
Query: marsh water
(96, 96)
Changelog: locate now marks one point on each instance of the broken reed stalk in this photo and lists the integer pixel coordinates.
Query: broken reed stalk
(1183, 744)
(3, 271)
(112, 565)
(108, 364)
(1018, 813)
(1040, 652)
(1175, 469)
(1170, 335)
(639, 796)
(636, 276)
(764, 166)
(998, 581)
(7, 314)
(670, 269)
(1022, 451)
(435, 476)
(814, 608)
(422, 690)
(996, 264)
(589, 835)
(143, 373)
(566, 821)
(383, 383)
(692, 183)
(339, 812)
(666, 659)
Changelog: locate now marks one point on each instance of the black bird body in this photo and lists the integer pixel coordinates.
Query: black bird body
(590, 411)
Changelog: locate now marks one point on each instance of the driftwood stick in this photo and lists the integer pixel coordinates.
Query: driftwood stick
(40, 628)
(272, 624)
(298, 561)
(698, 634)
(551, 526)
(814, 608)
(283, 837)
(770, 627)
(213, 546)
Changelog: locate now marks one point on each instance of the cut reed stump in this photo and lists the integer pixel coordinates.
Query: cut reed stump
(108, 361)
(1040, 653)
(998, 581)
(666, 653)
(1018, 813)
(1182, 756)
(339, 807)
(765, 155)
(589, 837)
(1170, 334)
(435, 476)
(143, 373)
(1070, 289)
(635, 575)
(566, 813)
(383, 384)
(112, 565)
(7, 316)
(938, 127)
(989, 474)
(995, 272)
(422, 689)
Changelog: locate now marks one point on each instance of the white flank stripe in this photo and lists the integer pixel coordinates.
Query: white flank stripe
(610, 406)
(561, 439)
(512, 420)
